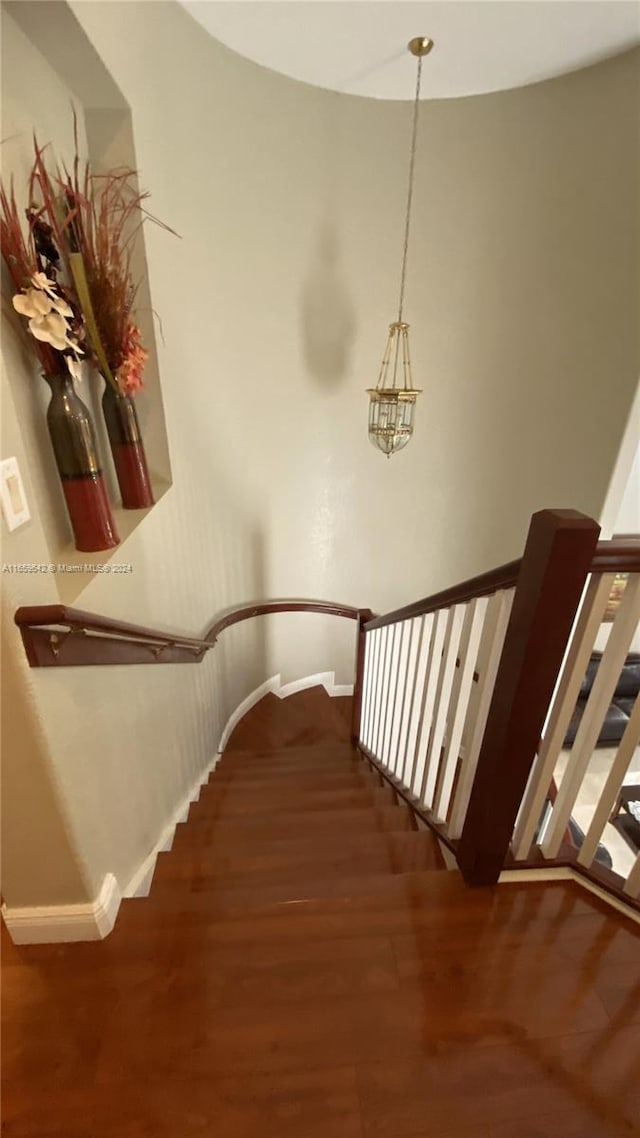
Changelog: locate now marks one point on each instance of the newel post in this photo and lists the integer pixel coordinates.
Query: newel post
(363, 616)
(557, 558)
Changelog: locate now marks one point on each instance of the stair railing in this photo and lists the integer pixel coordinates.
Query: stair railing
(55, 636)
(539, 832)
(465, 698)
(462, 700)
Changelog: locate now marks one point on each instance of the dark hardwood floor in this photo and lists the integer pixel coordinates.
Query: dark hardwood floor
(305, 967)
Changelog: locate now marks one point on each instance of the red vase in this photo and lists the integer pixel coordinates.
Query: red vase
(83, 485)
(127, 448)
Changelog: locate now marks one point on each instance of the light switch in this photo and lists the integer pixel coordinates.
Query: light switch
(12, 495)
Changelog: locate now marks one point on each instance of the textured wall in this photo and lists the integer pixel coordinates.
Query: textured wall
(124, 745)
(522, 294)
(523, 297)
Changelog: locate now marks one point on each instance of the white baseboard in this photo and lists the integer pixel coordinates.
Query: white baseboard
(94, 920)
(49, 924)
(140, 883)
(241, 710)
(325, 679)
(276, 687)
(340, 689)
(565, 873)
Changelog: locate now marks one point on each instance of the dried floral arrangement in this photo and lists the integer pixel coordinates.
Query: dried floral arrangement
(52, 309)
(70, 257)
(72, 268)
(94, 219)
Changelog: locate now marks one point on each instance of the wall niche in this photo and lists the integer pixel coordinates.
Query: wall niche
(70, 74)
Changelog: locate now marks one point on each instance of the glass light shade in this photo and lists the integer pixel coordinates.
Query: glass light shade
(391, 417)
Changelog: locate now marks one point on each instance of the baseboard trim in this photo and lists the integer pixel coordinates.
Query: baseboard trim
(319, 679)
(327, 680)
(565, 873)
(94, 920)
(140, 884)
(275, 686)
(50, 924)
(271, 685)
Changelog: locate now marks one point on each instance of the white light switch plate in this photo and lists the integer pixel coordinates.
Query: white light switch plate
(12, 495)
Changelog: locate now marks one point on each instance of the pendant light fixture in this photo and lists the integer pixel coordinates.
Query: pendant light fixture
(392, 403)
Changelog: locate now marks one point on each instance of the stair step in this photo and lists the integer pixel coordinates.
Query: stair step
(216, 805)
(226, 864)
(304, 717)
(339, 754)
(288, 783)
(260, 827)
(383, 904)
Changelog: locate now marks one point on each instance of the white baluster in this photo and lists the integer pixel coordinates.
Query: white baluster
(420, 638)
(612, 786)
(594, 603)
(382, 689)
(429, 627)
(391, 710)
(401, 692)
(431, 673)
(366, 686)
(495, 627)
(387, 638)
(459, 703)
(599, 699)
(375, 691)
(441, 707)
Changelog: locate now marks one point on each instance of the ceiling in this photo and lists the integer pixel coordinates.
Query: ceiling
(359, 46)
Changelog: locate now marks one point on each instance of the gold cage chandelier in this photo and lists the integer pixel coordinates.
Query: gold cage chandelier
(392, 403)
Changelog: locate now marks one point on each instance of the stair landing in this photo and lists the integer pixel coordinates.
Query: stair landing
(305, 967)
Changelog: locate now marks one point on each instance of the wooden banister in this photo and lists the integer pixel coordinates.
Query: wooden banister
(618, 556)
(558, 555)
(265, 607)
(57, 636)
(505, 577)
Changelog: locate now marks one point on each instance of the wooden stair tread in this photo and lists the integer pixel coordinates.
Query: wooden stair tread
(317, 753)
(295, 974)
(256, 783)
(343, 906)
(305, 717)
(259, 827)
(227, 861)
(210, 806)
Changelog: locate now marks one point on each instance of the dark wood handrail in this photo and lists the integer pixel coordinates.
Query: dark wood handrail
(505, 577)
(621, 556)
(57, 636)
(609, 557)
(265, 607)
(44, 616)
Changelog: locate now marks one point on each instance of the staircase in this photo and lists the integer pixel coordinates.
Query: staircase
(305, 967)
(292, 813)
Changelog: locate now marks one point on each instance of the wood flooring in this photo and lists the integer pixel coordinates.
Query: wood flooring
(306, 967)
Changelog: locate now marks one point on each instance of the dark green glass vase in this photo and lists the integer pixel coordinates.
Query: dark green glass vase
(83, 485)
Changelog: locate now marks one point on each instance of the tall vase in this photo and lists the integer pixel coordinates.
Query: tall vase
(127, 448)
(74, 447)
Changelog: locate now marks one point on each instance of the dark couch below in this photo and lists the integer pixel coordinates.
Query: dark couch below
(620, 707)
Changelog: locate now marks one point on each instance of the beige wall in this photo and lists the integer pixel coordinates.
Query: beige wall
(522, 295)
(123, 746)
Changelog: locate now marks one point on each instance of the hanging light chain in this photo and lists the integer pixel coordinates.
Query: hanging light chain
(407, 224)
(392, 407)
